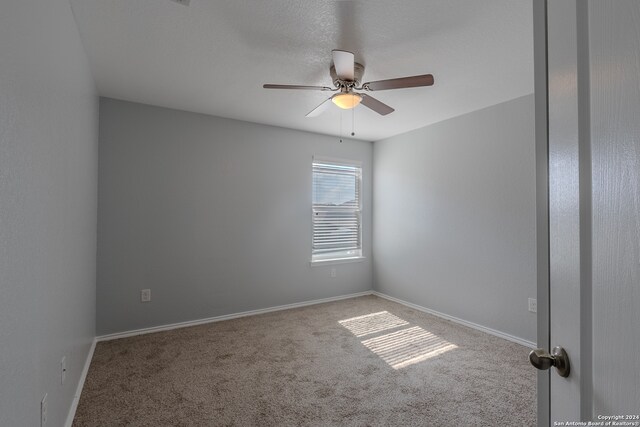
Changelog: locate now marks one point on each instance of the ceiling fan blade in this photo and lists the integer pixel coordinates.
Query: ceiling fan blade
(402, 82)
(343, 62)
(270, 86)
(377, 106)
(319, 109)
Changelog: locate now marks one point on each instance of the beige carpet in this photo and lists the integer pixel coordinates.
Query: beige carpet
(357, 362)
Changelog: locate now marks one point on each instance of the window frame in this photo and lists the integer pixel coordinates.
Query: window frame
(338, 255)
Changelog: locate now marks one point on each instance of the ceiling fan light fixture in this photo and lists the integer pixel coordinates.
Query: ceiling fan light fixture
(347, 100)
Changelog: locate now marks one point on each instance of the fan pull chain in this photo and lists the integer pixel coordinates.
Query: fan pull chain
(353, 121)
(340, 126)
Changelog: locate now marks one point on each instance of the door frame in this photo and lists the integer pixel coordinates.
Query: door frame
(575, 25)
(541, 112)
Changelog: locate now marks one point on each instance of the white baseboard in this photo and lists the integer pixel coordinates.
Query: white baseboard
(459, 321)
(171, 326)
(186, 324)
(83, 377)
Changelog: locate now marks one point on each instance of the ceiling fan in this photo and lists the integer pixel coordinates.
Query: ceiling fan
(347, 75)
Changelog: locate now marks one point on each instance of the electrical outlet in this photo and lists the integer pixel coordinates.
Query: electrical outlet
(533, 305)
(43, 411)
(63, 369)
(333, 272)
(145, 295)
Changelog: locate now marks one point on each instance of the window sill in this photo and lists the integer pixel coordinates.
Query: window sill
(320, 262)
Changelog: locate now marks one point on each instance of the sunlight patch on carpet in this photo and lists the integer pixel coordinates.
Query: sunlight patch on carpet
(408, 346)
(372, 323)
(400, 348)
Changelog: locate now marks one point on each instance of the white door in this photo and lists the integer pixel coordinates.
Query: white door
(591, 295)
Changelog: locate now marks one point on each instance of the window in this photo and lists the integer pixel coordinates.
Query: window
(336, 212)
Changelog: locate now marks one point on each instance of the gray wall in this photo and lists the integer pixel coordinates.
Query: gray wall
(48, 208)
(454, 217)
(213, 215)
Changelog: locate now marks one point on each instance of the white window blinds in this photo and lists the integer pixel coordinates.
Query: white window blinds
(336, 209)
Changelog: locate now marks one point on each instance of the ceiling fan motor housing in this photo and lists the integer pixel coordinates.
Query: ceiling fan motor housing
(358, 72)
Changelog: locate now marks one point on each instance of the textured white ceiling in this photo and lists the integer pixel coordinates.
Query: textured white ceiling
(213, 56)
